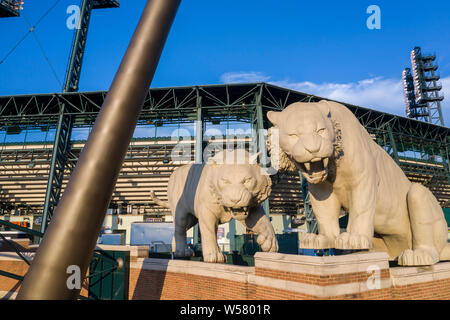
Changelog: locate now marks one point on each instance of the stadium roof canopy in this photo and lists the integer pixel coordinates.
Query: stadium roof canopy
(420, 148)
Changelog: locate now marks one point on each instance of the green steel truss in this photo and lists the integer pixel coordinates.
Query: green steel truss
(61, 145)
(179, 104)
(61, 148)
(420, 148)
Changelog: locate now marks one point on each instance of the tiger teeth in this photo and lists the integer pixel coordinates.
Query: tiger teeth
(307, 166)
(243, 210)
(325, 162)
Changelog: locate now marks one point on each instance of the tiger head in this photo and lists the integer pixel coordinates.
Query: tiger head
(238, 182)
(307, 136)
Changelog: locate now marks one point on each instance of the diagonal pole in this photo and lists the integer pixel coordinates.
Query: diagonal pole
(71, 236)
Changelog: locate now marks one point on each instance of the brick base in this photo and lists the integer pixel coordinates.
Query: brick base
(155, 285)
(361, 276)
(10, 262)
(274, 276)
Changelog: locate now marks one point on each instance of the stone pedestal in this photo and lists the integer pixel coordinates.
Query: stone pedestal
(364, 275)
(358, 275)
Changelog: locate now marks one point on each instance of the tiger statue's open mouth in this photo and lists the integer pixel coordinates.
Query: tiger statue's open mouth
(316, 170)
(238, 213)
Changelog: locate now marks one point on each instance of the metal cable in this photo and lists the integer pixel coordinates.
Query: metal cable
(29, 31)
(14, 47)
(32, 29)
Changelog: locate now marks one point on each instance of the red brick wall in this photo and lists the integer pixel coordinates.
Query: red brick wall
(19, 267)
(268, 293)
(161, 285)
(434, 290)
(321, 280)
(21, 244)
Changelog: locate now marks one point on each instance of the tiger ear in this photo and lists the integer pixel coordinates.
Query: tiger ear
(273, 117)
(254, 158)
(217, 159)
(211, 161)
(324, 107)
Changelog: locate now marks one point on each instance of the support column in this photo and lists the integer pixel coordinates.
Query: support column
(444, 155)
(393, 144)
(61, 146)
(311, 222)
(76, 57)
(441, 117)
(261, 141)
(199, 129)
(199, 147)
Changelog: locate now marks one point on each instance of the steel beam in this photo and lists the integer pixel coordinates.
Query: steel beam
(61, 145)
(261, 140)
(78, 48)
(393, 144)
(71, 237)
(199, 147)
(311, 221)
(199, 130)
(60, 151)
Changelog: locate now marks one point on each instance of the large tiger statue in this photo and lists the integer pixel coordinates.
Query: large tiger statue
(230, 185)
(346, 168)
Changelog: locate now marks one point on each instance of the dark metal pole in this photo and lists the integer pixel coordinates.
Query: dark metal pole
(72, 234)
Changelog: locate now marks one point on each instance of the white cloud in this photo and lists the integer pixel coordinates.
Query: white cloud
(240, 77)
(375, 93)
(385, 94)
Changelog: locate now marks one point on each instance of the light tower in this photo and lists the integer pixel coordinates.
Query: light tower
(422, 89)
(412, 110)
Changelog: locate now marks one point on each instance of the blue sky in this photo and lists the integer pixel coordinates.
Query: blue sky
(321, 47)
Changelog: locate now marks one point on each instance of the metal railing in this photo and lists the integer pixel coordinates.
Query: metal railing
(98, 253)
